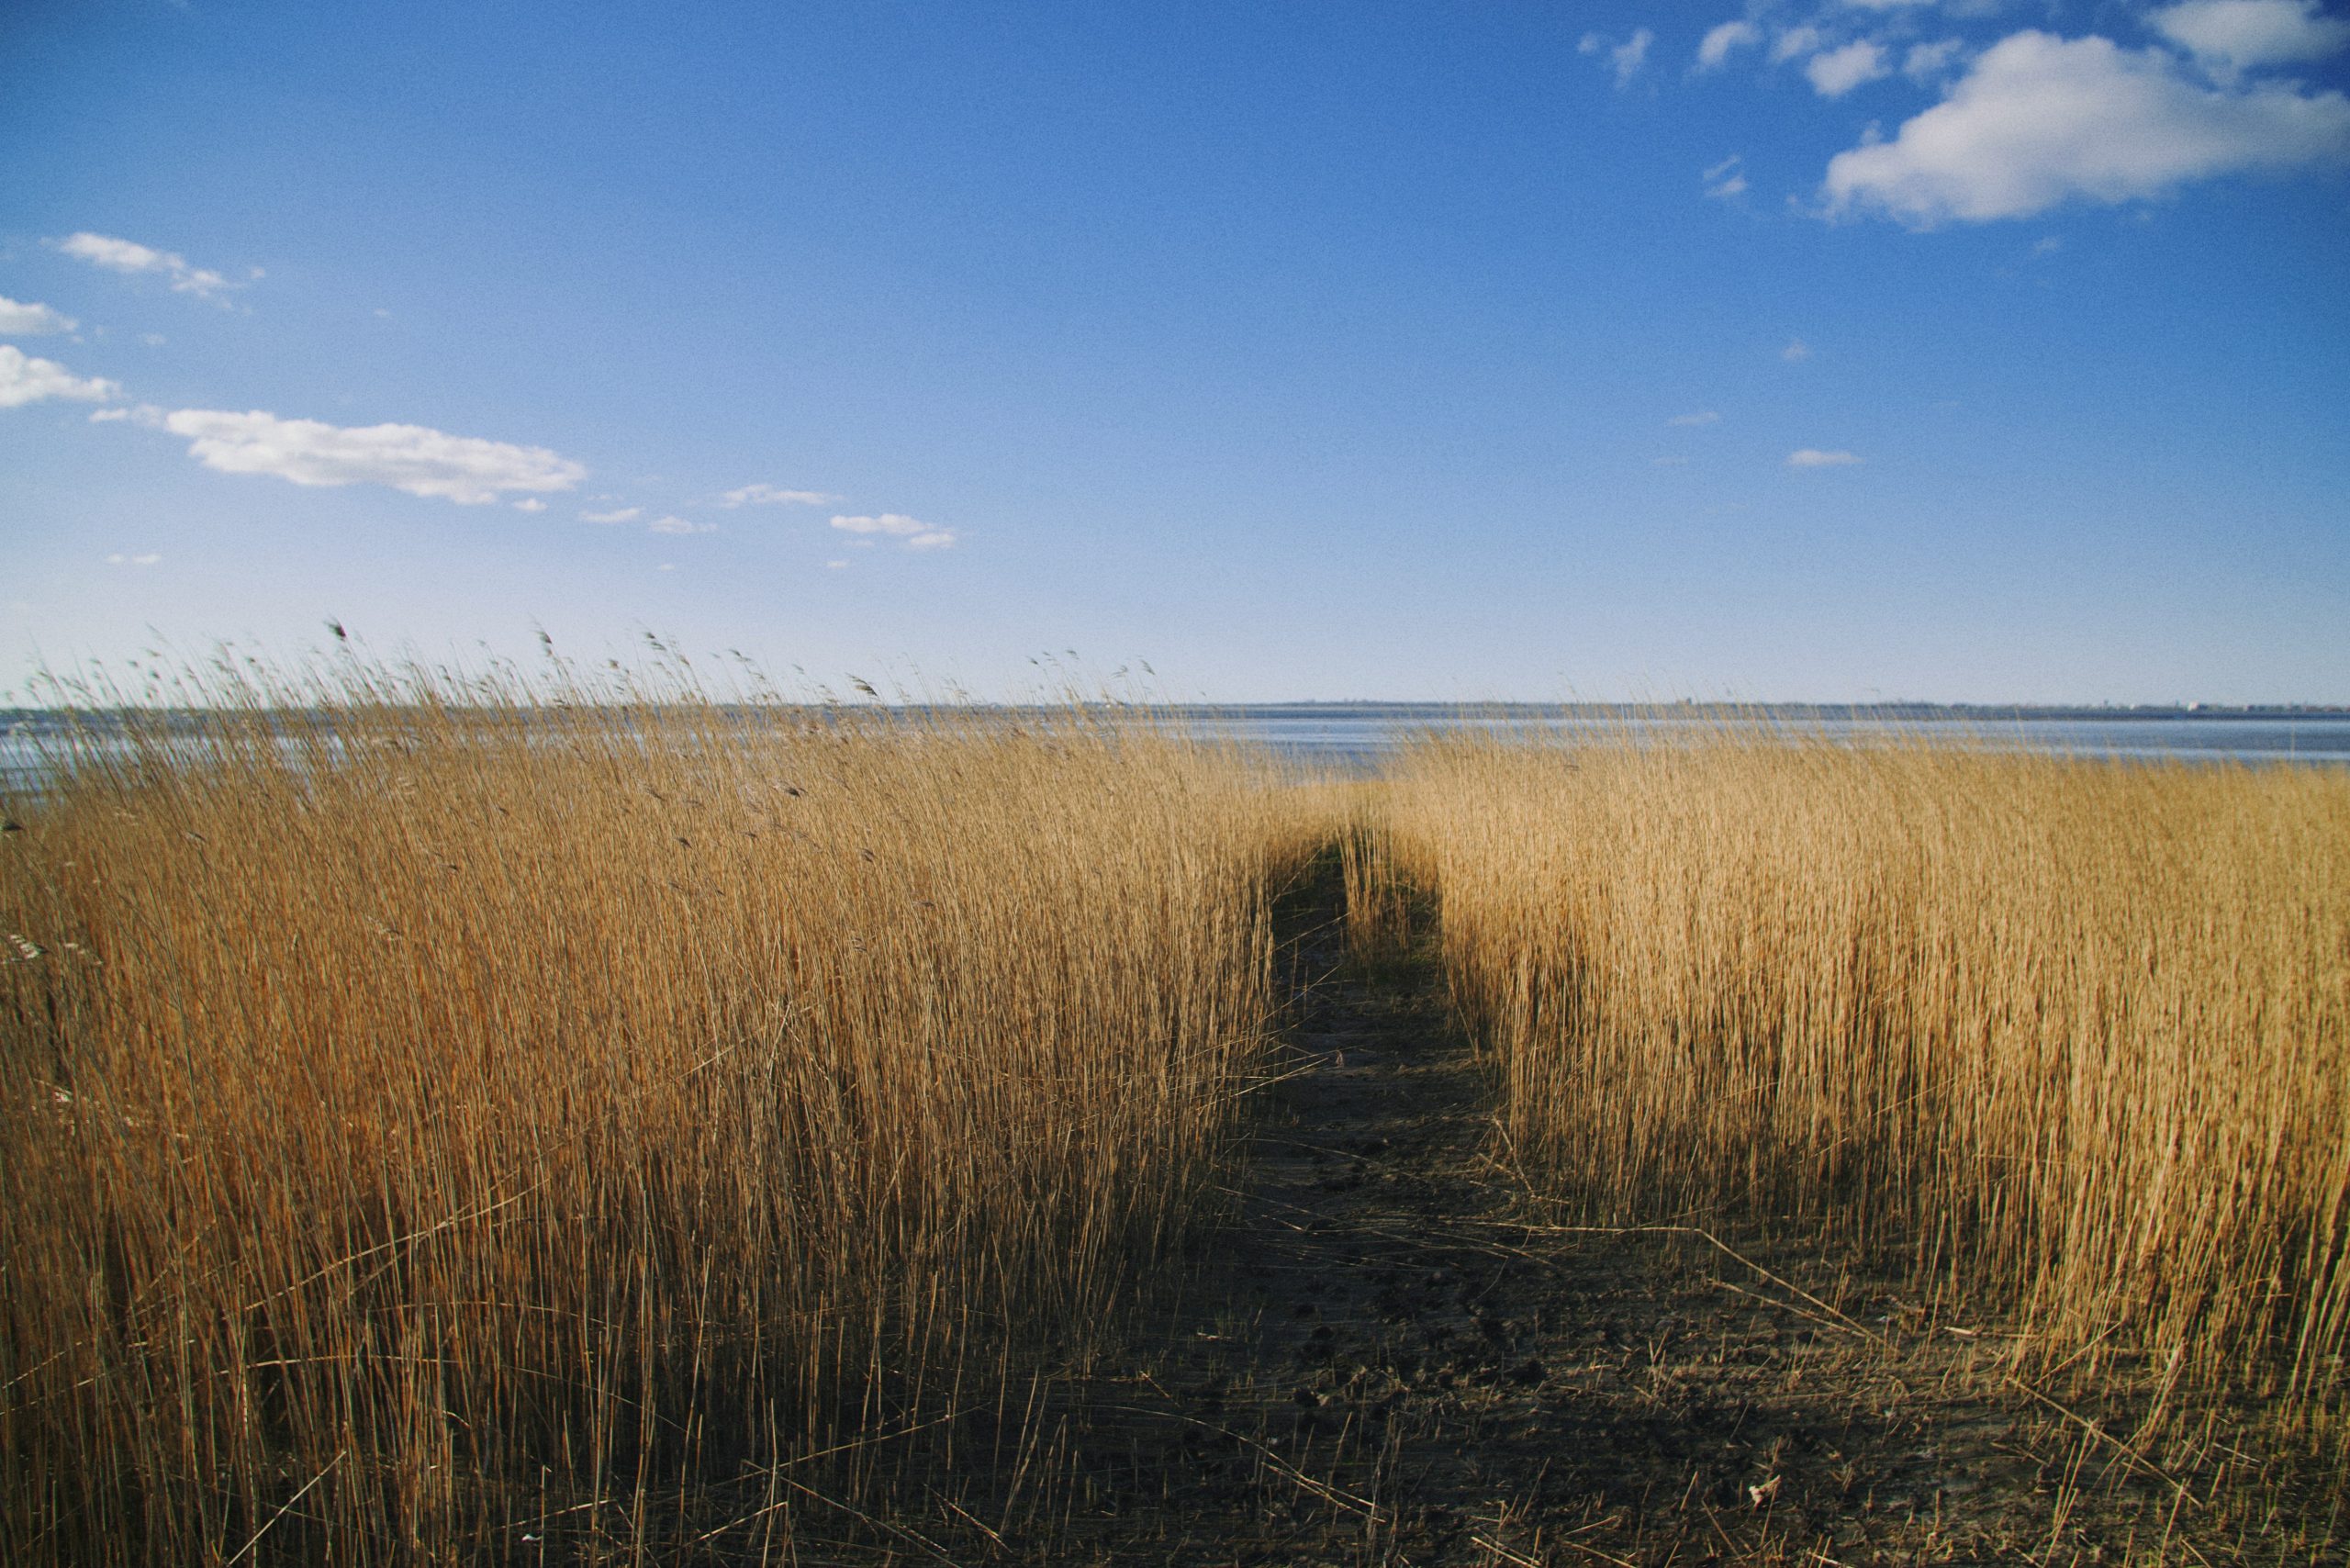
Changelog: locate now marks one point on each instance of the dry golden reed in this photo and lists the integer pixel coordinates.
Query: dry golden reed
(442, 1118)
(2072, 1035)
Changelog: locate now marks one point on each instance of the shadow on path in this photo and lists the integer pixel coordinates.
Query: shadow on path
(1384, 1355)
(1389, 1359)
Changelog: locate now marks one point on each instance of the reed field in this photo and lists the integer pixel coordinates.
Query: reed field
(458, 1119)
(455, 1119)
(2070, 1039)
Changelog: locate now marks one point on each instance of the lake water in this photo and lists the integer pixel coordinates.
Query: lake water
(1357, 737)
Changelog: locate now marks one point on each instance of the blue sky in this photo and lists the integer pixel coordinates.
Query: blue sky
(1973, 351)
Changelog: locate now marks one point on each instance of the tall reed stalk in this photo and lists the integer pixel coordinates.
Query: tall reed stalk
(439, 1118)
(2073, 1035)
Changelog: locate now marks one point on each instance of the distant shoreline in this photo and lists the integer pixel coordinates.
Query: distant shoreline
(36, 718)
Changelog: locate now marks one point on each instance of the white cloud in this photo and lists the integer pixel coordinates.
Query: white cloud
(529, 503)
(835, 565)
(918, 535)
(680, 525)
(119, 255)
(1716, 48)
(1793, 41)
(152, 339)
(1708, 417)
(1624, 59)
(1885, 4)
(118, 559)
(667, 567)
(24, 379)
(1812, 457)
(1925, 62)
(128, 256)
(1723, 179)
(1795, 351)
(1629, 57)
(2039, 119)
(1839, 70)
(409, 458)
(888, 523)
(768, 496)
(2236, 34)
(623, 514)
(18, 320)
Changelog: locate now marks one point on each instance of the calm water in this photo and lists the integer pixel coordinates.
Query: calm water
(1356, 736)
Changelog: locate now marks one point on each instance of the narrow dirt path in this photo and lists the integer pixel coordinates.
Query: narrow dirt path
(1388, 1359)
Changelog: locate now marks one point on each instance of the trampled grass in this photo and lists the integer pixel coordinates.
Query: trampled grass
(444, 1120)
(2069, 1037)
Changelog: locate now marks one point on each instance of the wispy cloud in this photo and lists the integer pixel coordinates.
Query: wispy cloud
(1628, 56)
(1812, 457)
(24, 379)
(19, 319)
(129, 257)
(2038, 120)
(1796, 351)
(118, 559)
(917, 534)
(680, 525)
(1925, 62)
(2237, 35)
(1837, 72)
(888, 523)
(529, 503)
(1624, 60)
(620, 514)
(1720, 43)
(1792, 42)
(1704, 417)
(413, 459)
(768, 496)
(1724, 180)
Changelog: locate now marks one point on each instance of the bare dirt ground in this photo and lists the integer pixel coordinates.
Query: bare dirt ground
(1387, 1355)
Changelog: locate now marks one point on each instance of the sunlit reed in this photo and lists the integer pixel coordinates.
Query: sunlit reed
(2071, 1036)
(444, 1118)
